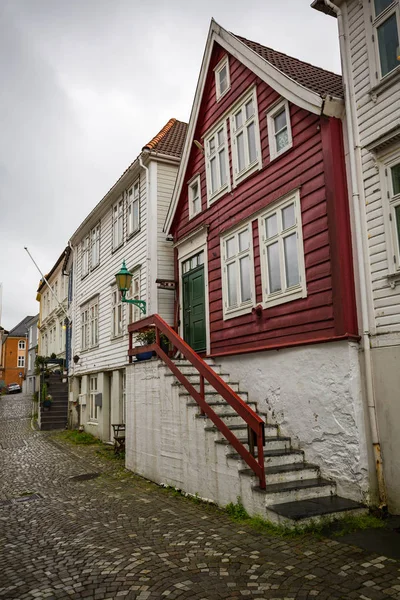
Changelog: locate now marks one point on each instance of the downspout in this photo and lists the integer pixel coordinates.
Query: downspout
(354, 148)
(149, 224)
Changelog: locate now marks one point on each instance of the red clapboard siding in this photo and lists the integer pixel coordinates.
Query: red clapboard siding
(306, 167)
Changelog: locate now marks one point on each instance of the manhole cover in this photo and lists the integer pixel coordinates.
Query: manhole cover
(20, 499)
(84, 477)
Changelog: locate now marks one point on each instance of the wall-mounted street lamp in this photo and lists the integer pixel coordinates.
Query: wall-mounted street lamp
(124, 280)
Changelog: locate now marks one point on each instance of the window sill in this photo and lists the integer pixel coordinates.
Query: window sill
(283, 298)
(95, 267)
(223, 94)
(84, 350)
(84, 276)
(117, 248)
(93, 423)
(273, 157)
(247, 172)
(115, 338)
(195, 215)
(386, 82)
(131, 235)
(218, 195)
(238, 312)
(394, 279)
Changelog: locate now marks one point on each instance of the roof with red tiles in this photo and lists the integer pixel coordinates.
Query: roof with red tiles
(169, 140)
(314, 78)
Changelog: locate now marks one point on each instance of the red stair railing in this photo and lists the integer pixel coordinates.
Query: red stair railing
(255, 424)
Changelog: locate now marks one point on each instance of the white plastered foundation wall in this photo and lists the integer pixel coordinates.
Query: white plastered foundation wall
(314, 393)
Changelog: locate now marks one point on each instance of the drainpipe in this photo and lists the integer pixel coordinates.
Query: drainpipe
(149, 225)
(354, 150)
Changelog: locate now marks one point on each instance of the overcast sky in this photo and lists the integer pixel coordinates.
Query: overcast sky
(85, 84)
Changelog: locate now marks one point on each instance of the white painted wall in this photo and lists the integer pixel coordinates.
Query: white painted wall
(314, 393)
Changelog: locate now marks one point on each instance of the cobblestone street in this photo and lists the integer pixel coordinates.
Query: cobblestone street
(118, 536)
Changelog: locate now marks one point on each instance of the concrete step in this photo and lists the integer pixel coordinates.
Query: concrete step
(230, 417)
(304, 512)
(270, 430)
(194, 378)
(188, 369)
(213, 396)
(272, 458)
(271, 443)
(292, 491)
(49, 426)
(285, 473)
(208, 389)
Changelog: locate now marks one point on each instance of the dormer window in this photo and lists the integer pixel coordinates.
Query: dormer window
(222, 79)
(279, 130)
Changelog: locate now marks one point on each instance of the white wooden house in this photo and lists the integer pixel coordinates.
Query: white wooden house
(127, 224)
(369, 32)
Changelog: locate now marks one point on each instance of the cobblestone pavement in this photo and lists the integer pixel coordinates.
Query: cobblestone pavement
(118, 536)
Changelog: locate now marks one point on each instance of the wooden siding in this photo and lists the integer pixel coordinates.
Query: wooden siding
(302, 167)
(375, 115)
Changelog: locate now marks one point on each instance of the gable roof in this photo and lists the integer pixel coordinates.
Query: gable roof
(20, 330)
(168, 142)
(306, 86)
(314, 78)
(62, 257)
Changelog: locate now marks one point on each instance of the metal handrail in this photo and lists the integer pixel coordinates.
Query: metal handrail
(255, 424)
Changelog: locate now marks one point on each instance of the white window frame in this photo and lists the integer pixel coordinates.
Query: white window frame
(90, 324)
(21, 362)
(376, 22)
(209, 156)
(249, 167)
(118, 223)
(286, 294)
(21, 345)
(133, 198)
(224, 62)
(85, 246)
(272, 113)
(196, 180)
(95, 246)
(116, 313)
(134, 312)
(242, 307)
(390, 202)
(93, 390)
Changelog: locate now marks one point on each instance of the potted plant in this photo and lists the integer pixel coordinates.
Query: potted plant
(148, 337)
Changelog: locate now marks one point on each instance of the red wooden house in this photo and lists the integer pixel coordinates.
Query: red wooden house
(261, 225)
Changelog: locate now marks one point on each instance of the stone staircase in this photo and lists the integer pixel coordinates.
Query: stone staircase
(295, 490)
(55, 417)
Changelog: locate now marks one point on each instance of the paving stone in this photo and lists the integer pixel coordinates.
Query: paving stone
(119, 536)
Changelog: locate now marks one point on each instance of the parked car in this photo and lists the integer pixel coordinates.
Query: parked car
(13, 388)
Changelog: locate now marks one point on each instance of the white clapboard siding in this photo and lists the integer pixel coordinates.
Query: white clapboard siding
(376, 114)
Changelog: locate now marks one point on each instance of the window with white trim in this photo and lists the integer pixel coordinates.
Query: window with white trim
(116, 312)
(222, 77)
(95, 243)
(21, 361)
(194, 197)
(90, 324)
(21, 345)
(392, 176)
(282, 252)
(118, 223)
(386, 27)
(217, 165)
(85, 256)
(245, 137)
(134, 294)
(238, 272)
(279, 129)
(93, 391)
(133, 196)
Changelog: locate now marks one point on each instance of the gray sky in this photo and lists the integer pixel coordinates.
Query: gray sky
(85, 84)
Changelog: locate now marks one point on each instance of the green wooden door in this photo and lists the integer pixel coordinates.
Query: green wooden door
(194, 313)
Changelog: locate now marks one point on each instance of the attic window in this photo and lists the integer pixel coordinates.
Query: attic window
(222, 79)
(279, 129)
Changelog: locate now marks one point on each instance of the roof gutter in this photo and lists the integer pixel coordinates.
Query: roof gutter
(354, 153)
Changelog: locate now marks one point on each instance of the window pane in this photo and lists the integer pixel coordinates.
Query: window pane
(230, 247)
(397, 212)
(232, 286)
(213, 168)
(380, 5)
(288, 216)
(249, 109)
(222, 167)
(251, 133)
(396, 179)
(244, 240)
(280, 120)
(271, 226)
(135, 215)
(282, 140)
(195, 190)
(221, 137)
(211, 146)
(240, 151)
(196, 206)
(291, 261)
(274, 275)
(238, 119)
(245, 291)
(223, 82)
(388, 41)
(201, 258)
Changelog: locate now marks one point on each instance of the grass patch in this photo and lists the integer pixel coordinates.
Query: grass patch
(324, 528)
(106, 451)
(78, 437)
